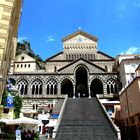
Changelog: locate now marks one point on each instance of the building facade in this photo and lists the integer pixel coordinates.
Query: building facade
(127, 65)
(80, 70)
(130, 111)
(10, 11)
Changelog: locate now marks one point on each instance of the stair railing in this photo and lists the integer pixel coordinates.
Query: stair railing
(114, 127)
(60, 116)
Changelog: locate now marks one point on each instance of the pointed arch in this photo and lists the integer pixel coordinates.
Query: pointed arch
(51, 86)
(112, 85)
(81, 76)
(96, 87)
(67, 87)
(22, 85)
(37, 86)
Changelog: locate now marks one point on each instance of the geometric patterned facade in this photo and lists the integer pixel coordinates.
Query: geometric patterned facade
(81, 70)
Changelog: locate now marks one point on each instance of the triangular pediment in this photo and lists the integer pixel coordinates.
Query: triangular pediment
(23, 57)
(93, 68)
(80, 36)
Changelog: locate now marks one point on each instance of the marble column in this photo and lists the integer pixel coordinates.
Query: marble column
(59, 89)
(89, 90)
(73, 90)
(29, 90)
(44, 90)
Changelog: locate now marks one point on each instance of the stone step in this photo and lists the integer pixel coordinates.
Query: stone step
(84, 119)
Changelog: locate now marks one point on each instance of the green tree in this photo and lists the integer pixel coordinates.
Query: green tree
(17, 106)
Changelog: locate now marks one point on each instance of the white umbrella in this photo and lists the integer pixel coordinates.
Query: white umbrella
(23, 120)
(4, 120)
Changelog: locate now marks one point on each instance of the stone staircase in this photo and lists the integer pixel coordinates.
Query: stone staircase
(58, 106)
(84, 119)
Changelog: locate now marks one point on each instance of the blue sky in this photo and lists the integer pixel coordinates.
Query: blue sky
(116, 23)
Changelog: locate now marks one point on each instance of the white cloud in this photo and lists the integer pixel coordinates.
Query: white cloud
(21, 38)
(50, 39)
(131, 50)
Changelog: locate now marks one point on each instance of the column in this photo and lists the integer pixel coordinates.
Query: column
(49, 90)
(53, 89)
(73, 90)
(44, 90)
(29, 94)
(104, 88)
(59, 89)
(89, 90)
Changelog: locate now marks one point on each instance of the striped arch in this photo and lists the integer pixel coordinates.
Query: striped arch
(81, 75)
(96, 77)
(37, 77)
(37, 86)
(111, 85)
(51, 86)
(22, 84)
(67, 86)
(96, 86)
(22, 77)
(66, 77)
(81, 65)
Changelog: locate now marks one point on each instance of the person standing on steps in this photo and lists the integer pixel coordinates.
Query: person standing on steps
(78, 94)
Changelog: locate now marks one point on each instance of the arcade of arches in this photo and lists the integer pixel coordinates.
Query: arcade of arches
(82, 87)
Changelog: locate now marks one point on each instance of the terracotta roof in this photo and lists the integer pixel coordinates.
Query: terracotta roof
(81, 33)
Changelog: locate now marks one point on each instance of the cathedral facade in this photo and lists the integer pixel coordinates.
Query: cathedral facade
(79, 71)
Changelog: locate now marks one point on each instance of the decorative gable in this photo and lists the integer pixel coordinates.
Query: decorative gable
(79, 41)
(23, 57)
(93, 68)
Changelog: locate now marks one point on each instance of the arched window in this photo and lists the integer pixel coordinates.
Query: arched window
(75, 57)
(66, 57)
(37, 87)
(55, 69)
(91, 56)
(55, 89)
(48, 89)
(85, 56)
(111, 86)
(69, 57)
(23, 87)
(106, 67)
(88, 56)
(51, 87)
